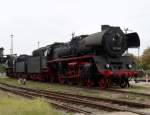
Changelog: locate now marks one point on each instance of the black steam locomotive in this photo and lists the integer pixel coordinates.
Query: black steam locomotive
(96, 59)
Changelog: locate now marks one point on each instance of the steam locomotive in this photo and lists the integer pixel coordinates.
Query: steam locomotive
(93, 60)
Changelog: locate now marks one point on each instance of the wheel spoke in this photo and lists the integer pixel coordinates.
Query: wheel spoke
(123, 82)
(51, 79)
(89, 83)
(109, 83)
(102, 83)
(70, 81)
(61, 80)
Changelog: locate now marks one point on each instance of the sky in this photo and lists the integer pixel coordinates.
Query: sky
(49, 21)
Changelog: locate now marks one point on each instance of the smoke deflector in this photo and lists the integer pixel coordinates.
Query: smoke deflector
(133, 40)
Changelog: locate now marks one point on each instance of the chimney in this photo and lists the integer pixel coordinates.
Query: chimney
(104, 27)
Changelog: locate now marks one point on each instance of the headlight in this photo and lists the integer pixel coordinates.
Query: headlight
(107, 66)
(129, 66)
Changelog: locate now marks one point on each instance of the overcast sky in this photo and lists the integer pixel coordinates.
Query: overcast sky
(51, 21)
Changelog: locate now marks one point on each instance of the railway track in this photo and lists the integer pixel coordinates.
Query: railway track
(30, 95)
(115, 91)
(128, 92)
(99, 103)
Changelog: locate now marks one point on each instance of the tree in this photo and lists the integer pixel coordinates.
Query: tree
(146, 59)
(133, 57)
(136, 59)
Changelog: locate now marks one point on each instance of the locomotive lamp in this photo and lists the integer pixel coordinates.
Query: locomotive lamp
(107, 66)
(129, 66)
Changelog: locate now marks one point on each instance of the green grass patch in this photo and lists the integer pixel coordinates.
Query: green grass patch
(21, 106)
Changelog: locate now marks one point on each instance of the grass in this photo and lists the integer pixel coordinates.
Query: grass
(10, 105)
(76, 90)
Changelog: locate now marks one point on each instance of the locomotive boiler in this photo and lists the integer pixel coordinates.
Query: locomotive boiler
(110, 41)
(95, 59)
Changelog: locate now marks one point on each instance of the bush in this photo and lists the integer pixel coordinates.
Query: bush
(2, 68)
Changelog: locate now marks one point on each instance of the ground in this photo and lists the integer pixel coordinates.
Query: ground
(85, 91)
(145, 85)
(139, 87)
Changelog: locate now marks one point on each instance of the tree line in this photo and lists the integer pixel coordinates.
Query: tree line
(143, 61)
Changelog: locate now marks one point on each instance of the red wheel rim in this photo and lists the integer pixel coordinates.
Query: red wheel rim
(38, 78)
(89, 83)
(61, 80)
(102, 83)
